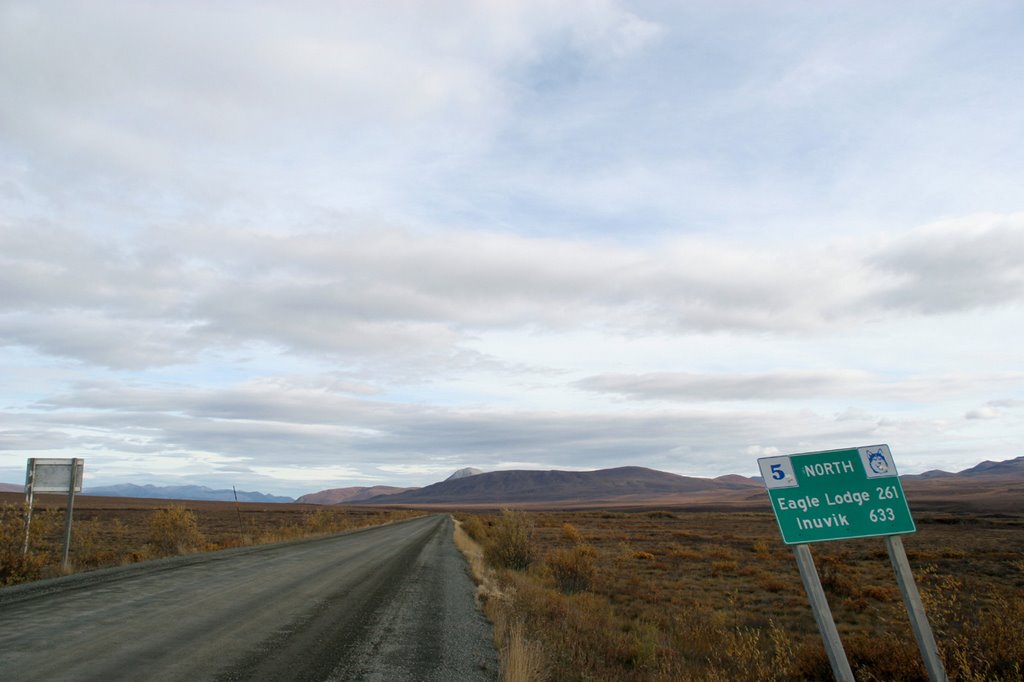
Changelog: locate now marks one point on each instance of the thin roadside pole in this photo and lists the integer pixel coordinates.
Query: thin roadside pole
(29, 500)
(238, 511)
(67, 516)
(823, 614)
(915, 609)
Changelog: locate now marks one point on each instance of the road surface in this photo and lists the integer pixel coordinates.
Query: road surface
(389, 603)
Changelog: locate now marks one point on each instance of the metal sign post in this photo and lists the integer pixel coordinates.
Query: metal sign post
(67, 515)
(823, 615)
(840, 495)
(30, 474)
(238, 512)
(915, 609)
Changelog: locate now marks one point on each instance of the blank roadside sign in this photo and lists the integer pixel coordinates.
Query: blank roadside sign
(53, 475)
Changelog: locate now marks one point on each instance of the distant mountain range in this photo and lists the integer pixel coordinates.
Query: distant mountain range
(349, 495)
(623, 484)
(181, 492)
(990, 485)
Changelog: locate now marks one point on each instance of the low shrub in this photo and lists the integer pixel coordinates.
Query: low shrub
(324, 521)
(872, 657)
(833, 578)
(720, 567)
(174, 530)
(44, 549)
(474, 528)
(882, 593)
(571, 533)
(772, 583)
(573, 569)
(979, 641)
(511, 542)
(16, 567)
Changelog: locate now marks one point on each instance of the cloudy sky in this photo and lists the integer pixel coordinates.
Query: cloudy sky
(294, 246)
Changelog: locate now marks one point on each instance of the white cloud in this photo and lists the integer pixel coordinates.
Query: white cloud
(421, 470)
(312, 474)
(955, 265)
(982, 413)
(377, 292)
(794, 385)
(96, 338)
(731, 386)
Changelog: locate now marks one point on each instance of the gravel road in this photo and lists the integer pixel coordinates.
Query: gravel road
(388, 603)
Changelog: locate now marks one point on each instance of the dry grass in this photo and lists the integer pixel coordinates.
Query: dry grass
(482, 574)
(714, 596)
(520, 659)
(16, 567)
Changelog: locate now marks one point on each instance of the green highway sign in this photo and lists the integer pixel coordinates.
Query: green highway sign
(836, 495)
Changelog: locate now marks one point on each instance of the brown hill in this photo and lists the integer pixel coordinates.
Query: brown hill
(989, 486)
(740, 480)
(602, 487)
(11, 488)
(348, 495)
(1011, 467)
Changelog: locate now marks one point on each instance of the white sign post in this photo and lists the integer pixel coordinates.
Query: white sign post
(823, 615)
(915, 609)
(45, 475)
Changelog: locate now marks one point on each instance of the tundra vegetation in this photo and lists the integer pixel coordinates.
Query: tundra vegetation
(717, 595)
(113, 533)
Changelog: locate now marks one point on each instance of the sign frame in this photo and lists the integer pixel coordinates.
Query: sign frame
(52, 475)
